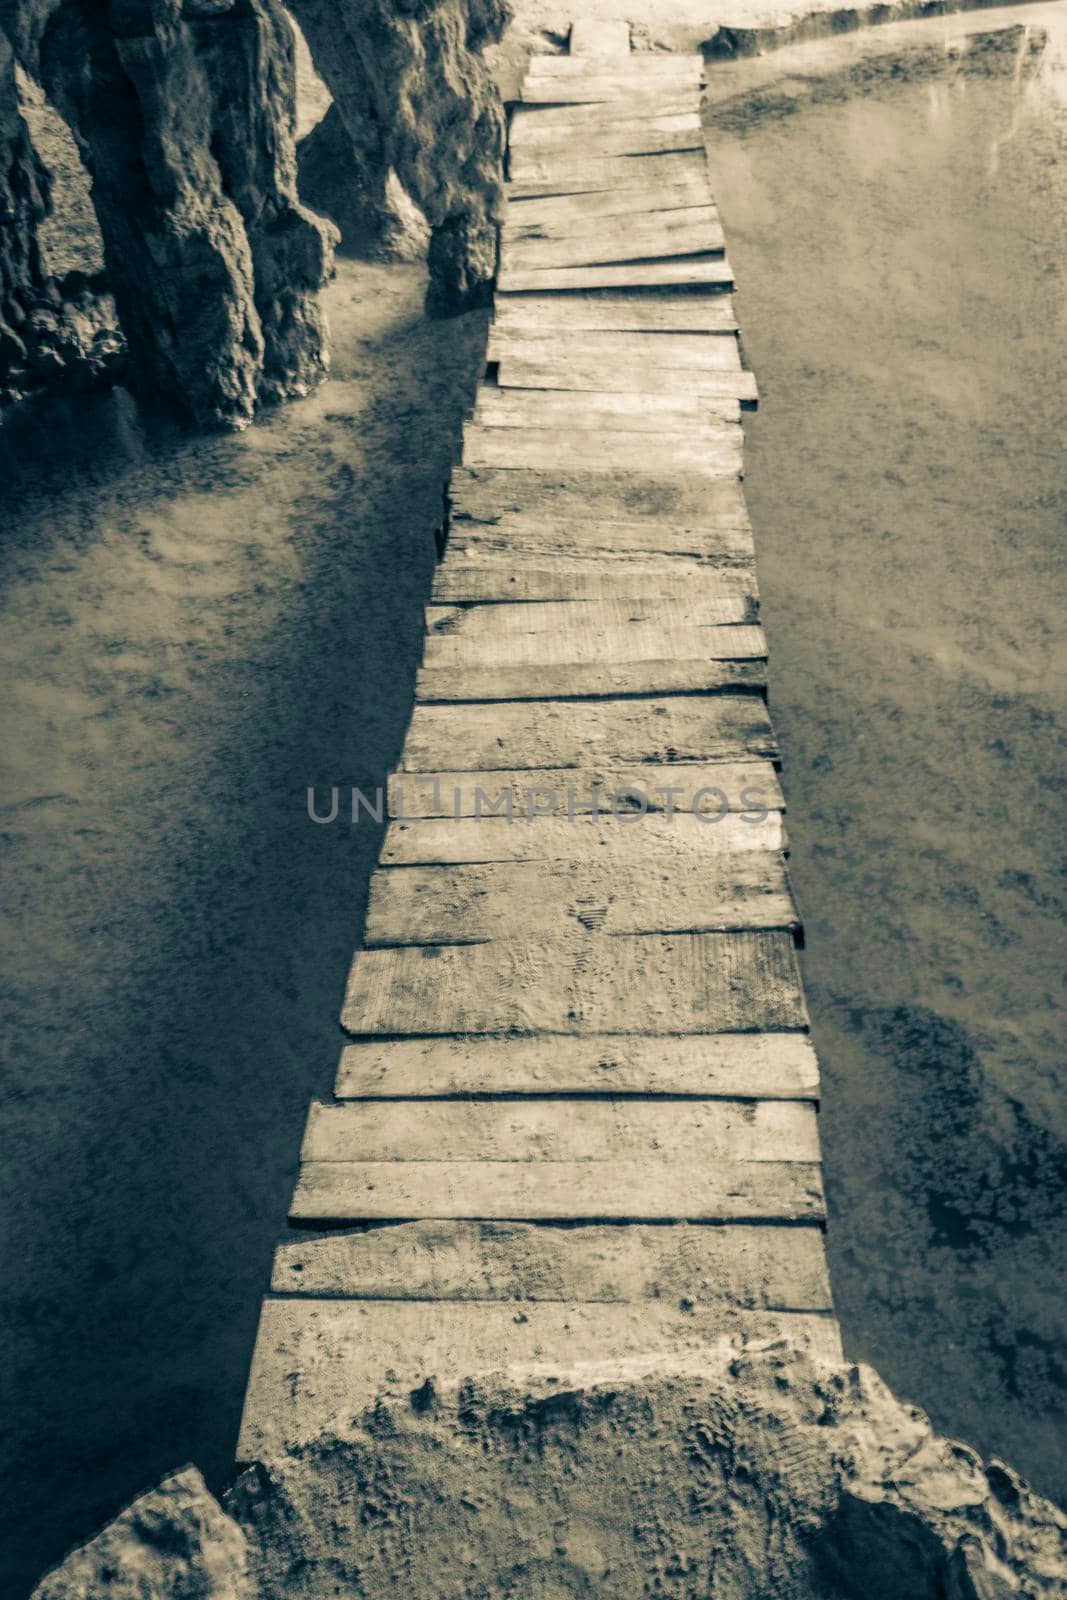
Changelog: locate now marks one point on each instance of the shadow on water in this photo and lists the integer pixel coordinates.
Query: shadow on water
(194, 631)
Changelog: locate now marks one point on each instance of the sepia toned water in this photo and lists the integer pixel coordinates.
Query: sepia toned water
(899, 233)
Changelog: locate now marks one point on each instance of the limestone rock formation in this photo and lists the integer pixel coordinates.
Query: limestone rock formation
(741, 1475)
(184, 115)
(23, 204)
(175, 1542)
(421, 108)
(378, 221)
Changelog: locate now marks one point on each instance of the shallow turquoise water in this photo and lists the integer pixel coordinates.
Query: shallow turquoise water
(899, 231)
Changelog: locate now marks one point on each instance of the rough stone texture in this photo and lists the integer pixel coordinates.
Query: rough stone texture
(378, 221)
(420, 108)
(24, 203)
(184, 115)
(174, 1542)
(758, 1473)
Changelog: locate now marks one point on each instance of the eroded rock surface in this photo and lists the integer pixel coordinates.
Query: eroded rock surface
(24, 202)
(175, 1541)
(184, 116)
(421, 110)
(378, 219)
(740, 1476)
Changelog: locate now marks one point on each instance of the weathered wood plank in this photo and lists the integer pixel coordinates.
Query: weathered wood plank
(555, 1130)
(337, 1192)
(599, 38)
(316, 1360)
(568, 408)
(485, 580)
(642, 67)
(687, 271)
(663, 99)
(588, 680)
(711, 785)
(685, 839)
(475, 624)
(773, 1066)
(647, 984)
(483, 494)
(468, 904)
(664, 233)
(713, 454)
(535, 139)
(589, 637)
(520, 372)
(614, 172)
(679, 351)
(563, 734)
(580, 547)
(564, 210)
(614, 311)
(766, 1268)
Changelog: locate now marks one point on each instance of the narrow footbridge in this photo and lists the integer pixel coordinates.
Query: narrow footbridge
(578, 1116)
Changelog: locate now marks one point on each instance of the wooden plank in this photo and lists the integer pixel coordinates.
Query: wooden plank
(482, 494)
(688, 271)
(318, 1360)
(537, 146)
(576, 547)
(685, 839)
(663, 99)
(333, 1193)
(475, 624)
(468, 904)
(562, 210)
(614, 172)
(588, 680)
(655, 224)
(776, 1066)
(598, 38)
(711, 453)
(643, 67)
(567, 408)
(766, 1268)
(666, 233)
(555, 1130)
(746, 785)
(561, 734)
(501, 634)
(679, 351)
(485, 580)
(519, 372)
(614, 310)
(647, 984)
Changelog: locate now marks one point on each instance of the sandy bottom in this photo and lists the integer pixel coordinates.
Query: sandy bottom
(192, 632)
(901, 264)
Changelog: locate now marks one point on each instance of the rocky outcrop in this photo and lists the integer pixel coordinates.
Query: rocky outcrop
(421, 110)
(175, 1542)
(24, 202)
(184, 115)
(378, 220)
(754, 1473)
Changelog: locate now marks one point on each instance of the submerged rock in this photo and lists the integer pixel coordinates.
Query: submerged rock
(421, 111)
(736, 1477)
(183, 113)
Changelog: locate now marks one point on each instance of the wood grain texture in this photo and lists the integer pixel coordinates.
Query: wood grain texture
(534, 140)
(678, 351)
(588, 681)
(593, 637)
(683, 414)
(688, 271)
(647, 984)
(677, 843)
(470, 904)
(559, 1130)
(333, 1193)
(631, 238)
(317, 1360)
(616, 310)
(534, 575)
(559, 734)
(483, 494)
(474, 625)
(755, 1066)
(708, 452)
(768, 1268)
(665, 99)
(747, 785)
(614, 172)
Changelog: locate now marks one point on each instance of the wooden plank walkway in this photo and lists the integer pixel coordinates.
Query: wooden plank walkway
(577, 1115)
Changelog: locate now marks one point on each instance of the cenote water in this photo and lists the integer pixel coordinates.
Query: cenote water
(195, 630)
(898, 225)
